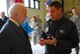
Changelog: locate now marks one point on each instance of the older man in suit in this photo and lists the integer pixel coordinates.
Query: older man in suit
(13, 39)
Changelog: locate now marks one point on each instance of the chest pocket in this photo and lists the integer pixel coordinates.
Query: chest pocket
(58, 30)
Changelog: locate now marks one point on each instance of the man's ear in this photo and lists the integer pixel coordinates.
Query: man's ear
(60, 9)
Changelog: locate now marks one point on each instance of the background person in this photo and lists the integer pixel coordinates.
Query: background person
(1, 23)
(36, 25)
(3, 17)
(76, 19)
(47, 9)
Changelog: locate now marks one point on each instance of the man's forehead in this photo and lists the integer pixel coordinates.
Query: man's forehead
(52, 8)
(74, 9)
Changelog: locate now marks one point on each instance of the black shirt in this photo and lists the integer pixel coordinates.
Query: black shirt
(65, 31)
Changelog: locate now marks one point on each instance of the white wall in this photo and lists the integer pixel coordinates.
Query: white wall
(3, 6)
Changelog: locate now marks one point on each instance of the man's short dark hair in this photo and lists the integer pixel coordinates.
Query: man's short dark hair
(57, 4)
(74, 8)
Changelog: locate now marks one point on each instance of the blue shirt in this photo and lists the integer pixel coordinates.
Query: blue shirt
(27, 28)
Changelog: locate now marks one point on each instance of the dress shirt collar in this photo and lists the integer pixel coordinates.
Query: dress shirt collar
(14, 21)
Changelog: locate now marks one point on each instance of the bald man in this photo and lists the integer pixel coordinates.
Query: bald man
(13, 39)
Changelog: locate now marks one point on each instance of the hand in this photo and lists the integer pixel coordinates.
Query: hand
(53, 41)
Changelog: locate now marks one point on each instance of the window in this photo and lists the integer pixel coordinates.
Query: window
(37, 6)
(32, 4)
(3, 6)
(26, 3)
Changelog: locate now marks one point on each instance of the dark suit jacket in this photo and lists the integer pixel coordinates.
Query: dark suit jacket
(5, 19)
(1, 23)
(13, 40)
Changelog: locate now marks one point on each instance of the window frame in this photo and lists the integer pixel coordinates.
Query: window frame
(34, 4)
